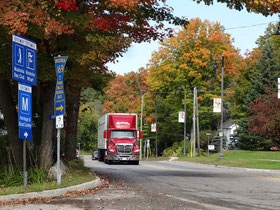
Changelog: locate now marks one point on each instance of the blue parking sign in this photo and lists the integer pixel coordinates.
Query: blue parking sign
(24, 106)
(24, 60)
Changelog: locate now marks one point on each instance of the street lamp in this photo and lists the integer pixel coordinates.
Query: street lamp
(222, 106)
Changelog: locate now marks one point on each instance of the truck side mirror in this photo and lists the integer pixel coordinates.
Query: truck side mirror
(104, 134)
(140, 134)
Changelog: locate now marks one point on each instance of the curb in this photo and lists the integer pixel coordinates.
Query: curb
(228, 167)
(52, 193)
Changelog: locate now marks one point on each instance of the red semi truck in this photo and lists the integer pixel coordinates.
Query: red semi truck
(117, 138)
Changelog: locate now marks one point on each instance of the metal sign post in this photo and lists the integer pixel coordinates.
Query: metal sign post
(59, 125)
(58, 158)
(24, 165)
(24, 69)
(25, 120)
(59, 106)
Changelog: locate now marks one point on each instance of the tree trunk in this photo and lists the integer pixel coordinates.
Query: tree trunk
(8, 109)
(46, 146)
(72, 123)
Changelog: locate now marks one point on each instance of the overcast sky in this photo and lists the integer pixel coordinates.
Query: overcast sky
(245, 37)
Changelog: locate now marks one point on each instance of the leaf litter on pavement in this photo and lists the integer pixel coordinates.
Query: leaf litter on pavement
(104, 181)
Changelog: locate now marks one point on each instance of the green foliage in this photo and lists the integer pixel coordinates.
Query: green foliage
(37, 176)
(90, 110)
(76, 174)
(87, 130)
(7, 180)
(204, 138)
(77, 164)
(217, 141)
(247, 141)
(3, 150)
(177, 149)
(266, 75)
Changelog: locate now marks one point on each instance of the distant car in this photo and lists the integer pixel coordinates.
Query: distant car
(95, 155)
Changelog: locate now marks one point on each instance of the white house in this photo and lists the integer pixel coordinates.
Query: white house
(229, 129)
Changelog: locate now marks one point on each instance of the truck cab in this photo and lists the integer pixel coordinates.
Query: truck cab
(119, 142)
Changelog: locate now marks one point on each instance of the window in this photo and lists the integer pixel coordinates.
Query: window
(122, 134)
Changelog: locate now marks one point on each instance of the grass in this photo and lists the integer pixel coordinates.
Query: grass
(240, 158)
(83, 152)
(76, 174)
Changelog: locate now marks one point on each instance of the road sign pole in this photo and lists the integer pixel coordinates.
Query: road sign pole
(59, 106)
(24, 164)
(58, 157)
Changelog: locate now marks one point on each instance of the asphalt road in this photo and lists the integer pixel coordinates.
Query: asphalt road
(175, 185)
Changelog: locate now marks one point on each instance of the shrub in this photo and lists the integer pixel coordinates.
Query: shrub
(177, 149)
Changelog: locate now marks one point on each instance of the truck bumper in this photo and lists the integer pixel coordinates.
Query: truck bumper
(123, 157)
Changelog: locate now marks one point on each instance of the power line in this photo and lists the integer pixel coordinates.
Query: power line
(249, 26)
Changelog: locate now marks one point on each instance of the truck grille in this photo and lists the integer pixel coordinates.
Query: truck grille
(124, 148)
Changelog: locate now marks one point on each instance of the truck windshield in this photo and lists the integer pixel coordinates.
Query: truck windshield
(122, 134)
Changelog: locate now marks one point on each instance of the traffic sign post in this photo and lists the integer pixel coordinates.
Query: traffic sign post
(25, 120)
(24, 69)
(59, 106)
(24, 60)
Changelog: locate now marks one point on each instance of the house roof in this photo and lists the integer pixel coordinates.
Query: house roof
(228, 124)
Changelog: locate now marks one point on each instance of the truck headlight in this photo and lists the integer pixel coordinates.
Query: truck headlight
(136, 151)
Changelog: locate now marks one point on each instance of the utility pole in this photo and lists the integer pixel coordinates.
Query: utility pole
(197, 122)
(185, 123)
(194, 127)
(156, 127)
(222, 109)
(142, 104)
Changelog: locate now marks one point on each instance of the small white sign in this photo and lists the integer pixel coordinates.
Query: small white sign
(217, 105)
(153, 127)
(148, 143)
(220, 133)
(59, 121)
(211, 147)
(181, 117)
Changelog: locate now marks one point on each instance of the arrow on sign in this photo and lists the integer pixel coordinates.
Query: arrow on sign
(59, 108)
(25, 134)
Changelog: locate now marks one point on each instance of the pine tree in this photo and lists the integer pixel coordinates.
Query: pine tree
(266, 75)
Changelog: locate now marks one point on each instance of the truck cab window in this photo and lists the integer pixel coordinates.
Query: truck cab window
(122, 134)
